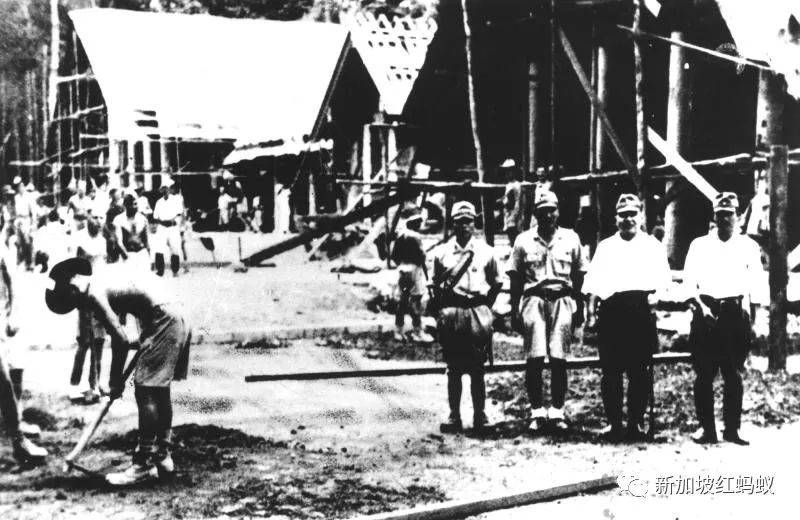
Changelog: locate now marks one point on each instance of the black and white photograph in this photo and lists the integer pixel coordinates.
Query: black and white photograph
(399, 259)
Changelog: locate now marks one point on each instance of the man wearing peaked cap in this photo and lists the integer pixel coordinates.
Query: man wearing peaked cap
(465, 282)
(628, 268)
(163, 342)
(546, 271)
(721, 270)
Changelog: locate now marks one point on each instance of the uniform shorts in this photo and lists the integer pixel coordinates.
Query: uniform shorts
(165, 343)
(548, 325)
(465, 335)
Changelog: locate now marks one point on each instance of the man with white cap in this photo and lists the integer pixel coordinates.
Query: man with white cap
(25, 211)
(546, 271)
(720, 271)
(513, 201)
(167, 214)
(466, 274)
(626, 271)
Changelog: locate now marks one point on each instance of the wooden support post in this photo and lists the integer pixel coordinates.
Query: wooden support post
(130, 166)
(601, 111)
(147, 156)
(163, 148)
(533, 120)
(312, 193)
(770, 109)
(641, 124)
(113, 157)
(486, 202)
(366, 160)
(778, 271)
(677, 209)
(553, 143)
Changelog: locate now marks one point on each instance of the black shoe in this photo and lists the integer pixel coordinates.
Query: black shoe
(733, 436)
(480, 424)
(705, 437)
(635, 434)
(613, 434)
(451, 426)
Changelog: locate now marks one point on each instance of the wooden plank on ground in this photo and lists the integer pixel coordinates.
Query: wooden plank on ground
(465, 508)
(510, 366)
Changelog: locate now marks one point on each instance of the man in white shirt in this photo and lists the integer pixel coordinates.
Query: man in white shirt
(167, 214)
(466, 274)
(720, 270)
(626, 270)
(131, 230)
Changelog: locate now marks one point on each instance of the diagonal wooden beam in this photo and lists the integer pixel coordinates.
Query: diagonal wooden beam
(599, 107)
(686, 169)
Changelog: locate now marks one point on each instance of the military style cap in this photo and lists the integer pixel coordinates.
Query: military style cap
(726, 201)
(628, 202)
(463, 210)
(545, 199)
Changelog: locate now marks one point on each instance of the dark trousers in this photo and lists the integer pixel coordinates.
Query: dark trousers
(720, 345)
(628, 338)
(477, 390)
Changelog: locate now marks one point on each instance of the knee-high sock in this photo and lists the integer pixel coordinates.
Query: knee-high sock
(533, 379)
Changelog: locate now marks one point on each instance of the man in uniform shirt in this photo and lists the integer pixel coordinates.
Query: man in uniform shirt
(720, 270)
(167, 214)
(465, 319)
(546, 271)
(626, 270)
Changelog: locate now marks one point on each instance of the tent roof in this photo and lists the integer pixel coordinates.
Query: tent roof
(207, 77)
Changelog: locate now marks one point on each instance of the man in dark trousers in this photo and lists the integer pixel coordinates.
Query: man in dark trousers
(164, 344)
(721, 268)
(467, 265)
(546, 270)
(626, 271)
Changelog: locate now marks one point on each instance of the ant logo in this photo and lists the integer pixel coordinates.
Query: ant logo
(632, 486)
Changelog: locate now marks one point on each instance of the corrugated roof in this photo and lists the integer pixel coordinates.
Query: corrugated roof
(393, 51)
(207, 77)
(760, 30)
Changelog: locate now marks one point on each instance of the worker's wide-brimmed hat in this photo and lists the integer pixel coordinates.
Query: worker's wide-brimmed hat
(464, 210)
(628, 202)
(58, 298)
(545, 199)
(726, 202)
(167, 182)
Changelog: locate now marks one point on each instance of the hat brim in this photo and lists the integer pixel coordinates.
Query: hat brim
(463, 216)
(629, 207)
(70, 267)
(58, 301)
(725, 210)
(546, 205)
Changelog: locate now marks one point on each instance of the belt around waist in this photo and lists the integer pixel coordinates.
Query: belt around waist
(167, 223)
(463, 302)
(545, 293)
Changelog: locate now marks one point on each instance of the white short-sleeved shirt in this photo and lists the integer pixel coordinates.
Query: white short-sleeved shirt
(168, 209)
(723, 269)
(638, 264)
(482, 274)
(538, 261)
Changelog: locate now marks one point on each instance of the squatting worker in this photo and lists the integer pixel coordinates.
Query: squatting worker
(25, 451)
(626, 271)
(164, 342)
(546, 270)
(720, 270)
(465, 319)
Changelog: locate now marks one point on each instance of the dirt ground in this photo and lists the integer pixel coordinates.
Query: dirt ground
(342, 448)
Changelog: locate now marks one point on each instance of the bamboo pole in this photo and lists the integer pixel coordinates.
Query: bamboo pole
(533, 118)
(486, 202)
(553, 145)
(55, 45)
(778, 268)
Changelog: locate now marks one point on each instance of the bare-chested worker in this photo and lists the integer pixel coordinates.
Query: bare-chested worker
(164, 342)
